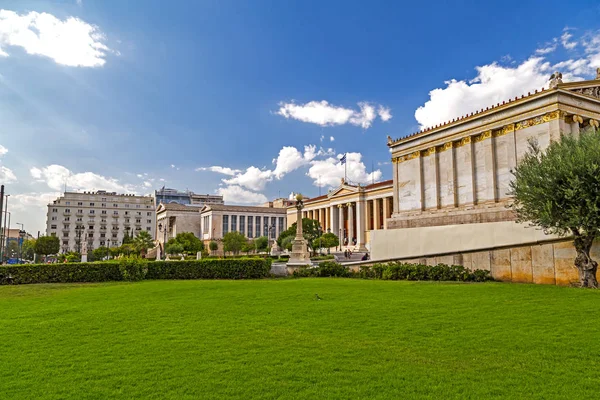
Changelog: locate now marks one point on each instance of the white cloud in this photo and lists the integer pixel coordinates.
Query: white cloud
(331, 139)
(148, 184)
(290, 159)
(322, 138)
(384, 113)
(220, 170)
(3, 150)
(172, 165)
(70, 42)
(79, 2)
(565, 39)
(55, 176)
(330, 171)
(324, 114)
(253, 178)
(7, 175)
(496, 83)
(238, 195)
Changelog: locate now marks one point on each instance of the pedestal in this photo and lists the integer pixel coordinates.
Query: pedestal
(300, 255)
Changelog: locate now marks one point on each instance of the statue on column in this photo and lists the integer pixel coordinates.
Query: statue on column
(300, 255)
(555, 79)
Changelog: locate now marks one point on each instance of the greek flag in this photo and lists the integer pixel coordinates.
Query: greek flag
(343, 159)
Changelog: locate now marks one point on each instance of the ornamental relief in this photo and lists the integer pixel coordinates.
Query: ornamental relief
(592, 91)
(550, 116)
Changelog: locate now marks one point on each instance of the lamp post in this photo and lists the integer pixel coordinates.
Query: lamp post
(20, 242)
(164, 231)
(320, 241)
(108, 249)
(79, 231)
(4, 237)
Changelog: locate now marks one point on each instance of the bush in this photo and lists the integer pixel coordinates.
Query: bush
(134, 269)
(325, 269)
(420, 272)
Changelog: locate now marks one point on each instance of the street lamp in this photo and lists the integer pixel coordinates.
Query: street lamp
(20, 241)
(108, 249)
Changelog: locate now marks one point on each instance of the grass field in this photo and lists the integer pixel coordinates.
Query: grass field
(272, 339)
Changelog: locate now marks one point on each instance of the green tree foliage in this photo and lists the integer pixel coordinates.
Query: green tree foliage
(213, 246)
(326, 241)
(248, 247)
(172, 247)
(310, 231)
(126, 238)
(189, 243)
(46, 245)
(28, 249)
(99, 254)
(12, 249)
(558, 190)
(286, 243)
(233, 242)
(261, 243)
(142, 242)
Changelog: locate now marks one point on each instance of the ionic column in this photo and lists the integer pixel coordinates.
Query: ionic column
(368, 212)
(327, 219)
(396, 197)
(386, 211)
(360, 225)
(332, 220)
(376, 215)
(350, 222)
(341, 222)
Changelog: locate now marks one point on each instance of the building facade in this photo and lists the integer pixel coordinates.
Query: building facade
(351, 212)
(451, 186)
(174, 218)
(98, 219)
(166, 196)
(252, 222)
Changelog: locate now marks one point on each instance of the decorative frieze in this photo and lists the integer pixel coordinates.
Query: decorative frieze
(488, 134)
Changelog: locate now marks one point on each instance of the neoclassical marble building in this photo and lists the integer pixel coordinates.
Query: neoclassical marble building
(352, 212)
(451, 181)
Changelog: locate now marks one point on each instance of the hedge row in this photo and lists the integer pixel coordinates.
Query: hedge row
(399, 271)
(133, 269)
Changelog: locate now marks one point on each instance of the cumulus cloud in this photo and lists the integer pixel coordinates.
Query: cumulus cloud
(70, 42)
(238, 195)
(324, 114)
(384, 113)
(3, 150)
(220, 170)
(290, 159)
(330, 171)
(253, 178)
(331, 139)
(495, 83)
(55, 176)
(7, 175)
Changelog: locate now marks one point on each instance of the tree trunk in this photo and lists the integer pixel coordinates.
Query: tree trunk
(584, 263)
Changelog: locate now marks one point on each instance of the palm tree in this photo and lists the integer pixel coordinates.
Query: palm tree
(142, 242)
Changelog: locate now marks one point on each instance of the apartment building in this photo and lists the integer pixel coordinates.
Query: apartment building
(98, 218)
(169, 196)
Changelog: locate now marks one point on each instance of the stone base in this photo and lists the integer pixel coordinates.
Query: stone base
(300, 254)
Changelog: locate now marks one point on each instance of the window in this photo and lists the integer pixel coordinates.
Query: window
(91, 227)
(115, 205)
(79, 219)
(137, 206)
(91, 204)
(117, 213)
(281, 223)
(148, 228)
(65, 242)
(79, 211)
(126, 205)
(104, 199)
(103, 212)
(139, 213)
(138, 221)
(66, 234)
(92, 212)
(148, 221)
(266, 226)
(54, 218)
(233, 223)
(243, 224)
(148, 213)
(55, 210)
(91, 235)
(79, 203)
(67, 218)
(102, 243)
(257, 226)
(65, 226)
(126, 220)
(205, 224)
(103, 220)
(114, 235)
(52, 233)
(272, 226)
(67, 210)
(51, 227)
(126, 212)
(103, 204)
(225, 224)
(103, 235)
(68, 203)
(250, 227)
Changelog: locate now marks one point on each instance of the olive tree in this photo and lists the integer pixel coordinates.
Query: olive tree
(558, 190)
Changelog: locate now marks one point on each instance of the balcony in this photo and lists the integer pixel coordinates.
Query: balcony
(103, 228)
(79, 214)
(91, 221)
(115, 215)
(115, 229)
(66, 229)
(67, 213)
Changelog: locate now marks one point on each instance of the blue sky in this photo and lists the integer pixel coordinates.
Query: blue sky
(244, 98)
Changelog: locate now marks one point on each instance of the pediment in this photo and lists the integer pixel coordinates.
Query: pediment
(343, 190)
(586, 88)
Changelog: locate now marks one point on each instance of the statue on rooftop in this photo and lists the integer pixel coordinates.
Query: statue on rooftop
(555, 79)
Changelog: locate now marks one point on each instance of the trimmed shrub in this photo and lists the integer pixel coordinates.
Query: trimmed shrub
(228, 268)
(331, 268)
(420, 272)
(134, 269)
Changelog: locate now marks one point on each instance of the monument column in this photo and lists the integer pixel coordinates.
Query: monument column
(350, 223)
(300, 255)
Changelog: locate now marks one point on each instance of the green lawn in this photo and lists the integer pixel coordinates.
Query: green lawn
(272, 339)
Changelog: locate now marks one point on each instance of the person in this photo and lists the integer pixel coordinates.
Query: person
(365, 257)
(349, 253)
(346, 254)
